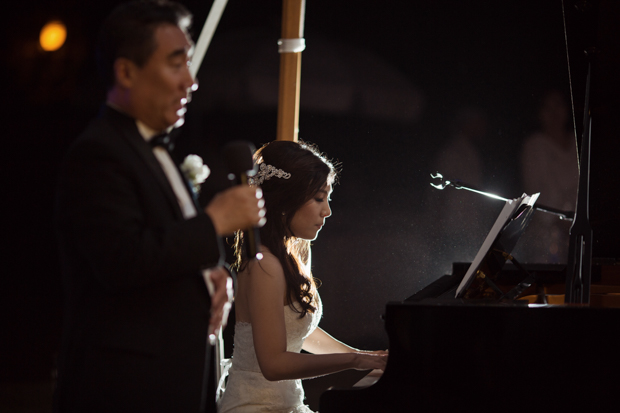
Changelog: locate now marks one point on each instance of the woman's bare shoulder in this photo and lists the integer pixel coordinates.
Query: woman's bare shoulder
(260, 284)
(269, 266)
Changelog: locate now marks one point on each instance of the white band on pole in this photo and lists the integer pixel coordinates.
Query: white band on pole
(206, 35)
(291, 45)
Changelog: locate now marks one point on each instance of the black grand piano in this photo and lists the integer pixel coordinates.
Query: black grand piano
(500, 352)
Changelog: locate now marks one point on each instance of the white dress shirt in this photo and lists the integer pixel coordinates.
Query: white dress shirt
(172, 173)
(176, 181)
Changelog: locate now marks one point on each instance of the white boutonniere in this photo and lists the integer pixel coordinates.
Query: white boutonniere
(195, 171)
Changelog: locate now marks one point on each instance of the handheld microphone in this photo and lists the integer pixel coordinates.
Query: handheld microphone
(238, 158)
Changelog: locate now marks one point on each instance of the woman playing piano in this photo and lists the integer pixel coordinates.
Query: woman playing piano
(277, 304)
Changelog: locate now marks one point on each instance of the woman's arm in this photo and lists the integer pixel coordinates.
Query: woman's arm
(319, 342)
(267, 289)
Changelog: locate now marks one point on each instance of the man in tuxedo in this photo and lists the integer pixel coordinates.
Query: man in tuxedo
(135, 247)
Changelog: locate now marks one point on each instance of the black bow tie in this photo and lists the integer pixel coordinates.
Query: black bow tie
(164, 140)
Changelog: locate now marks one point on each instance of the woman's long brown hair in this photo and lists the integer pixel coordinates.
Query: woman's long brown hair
(310, 171)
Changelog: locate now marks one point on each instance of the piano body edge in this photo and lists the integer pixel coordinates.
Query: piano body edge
(500, 357)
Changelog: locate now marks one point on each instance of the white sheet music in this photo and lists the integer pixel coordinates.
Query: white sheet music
(509, 209)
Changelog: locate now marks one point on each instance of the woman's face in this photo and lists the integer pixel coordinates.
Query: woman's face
(310, 217)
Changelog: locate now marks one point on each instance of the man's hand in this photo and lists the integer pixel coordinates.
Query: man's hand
(239, 207)
(220, 286)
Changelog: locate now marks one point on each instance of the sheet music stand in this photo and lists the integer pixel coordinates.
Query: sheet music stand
(496, 249)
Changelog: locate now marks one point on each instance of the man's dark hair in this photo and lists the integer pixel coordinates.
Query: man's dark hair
(129, 32)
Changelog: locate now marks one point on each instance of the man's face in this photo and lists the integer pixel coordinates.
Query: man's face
(160, 88)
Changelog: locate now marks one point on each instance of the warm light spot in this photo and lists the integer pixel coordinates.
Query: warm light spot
(53, 36)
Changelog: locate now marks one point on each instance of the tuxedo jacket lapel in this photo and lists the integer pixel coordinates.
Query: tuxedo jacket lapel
(129, 131)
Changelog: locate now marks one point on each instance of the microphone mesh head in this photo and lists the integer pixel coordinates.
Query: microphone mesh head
(238, 158)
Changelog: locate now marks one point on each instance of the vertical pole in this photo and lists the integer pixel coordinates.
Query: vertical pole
(290, 71)
(578, 270)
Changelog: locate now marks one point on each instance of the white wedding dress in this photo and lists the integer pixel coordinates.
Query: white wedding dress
(247, 390)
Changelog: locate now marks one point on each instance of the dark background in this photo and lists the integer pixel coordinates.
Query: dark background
(381, 86)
